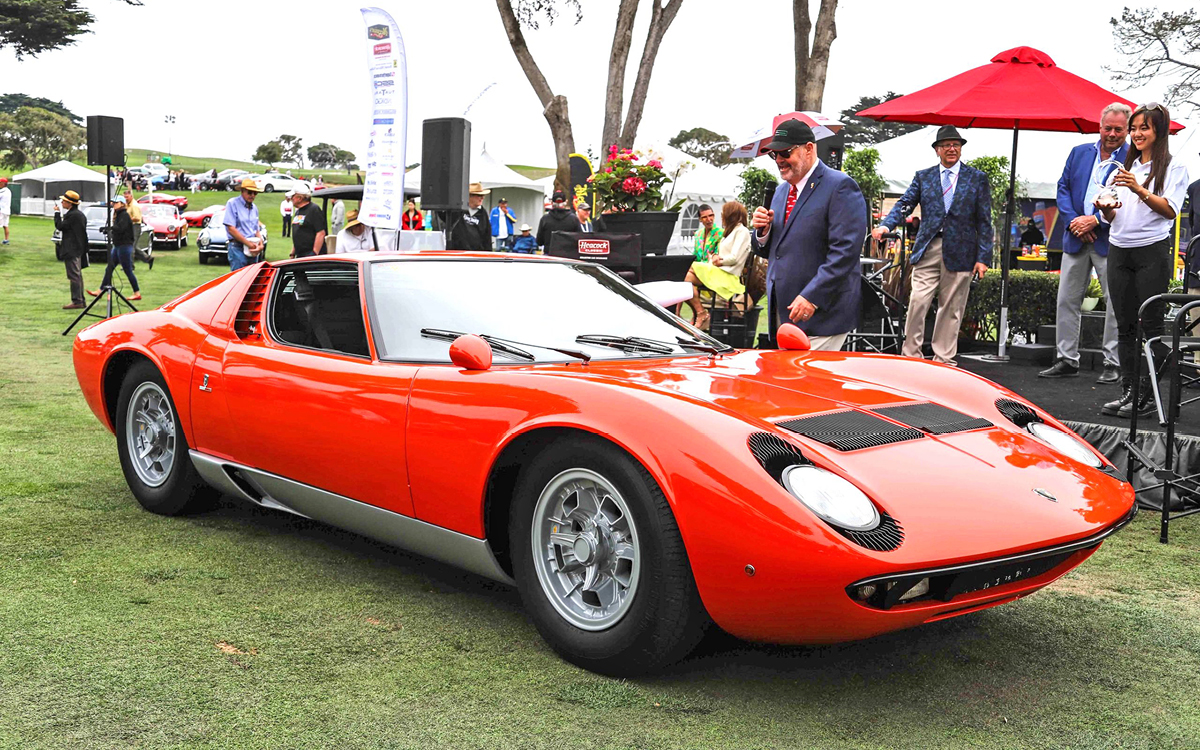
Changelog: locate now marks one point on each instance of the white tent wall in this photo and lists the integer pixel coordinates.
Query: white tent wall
(41, 187)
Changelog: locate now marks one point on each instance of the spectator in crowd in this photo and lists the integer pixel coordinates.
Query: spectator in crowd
(285, 211)
(194, 183)
(5, 206)
(355, 237)
(584, 213)
(243, 227)
(525, 242)
(503, 224)
(122, 249)
(337, 216)
(953, 244)
(1085, 244)
(722, 272)
(708, 238)
(73, 247)
(1030, 234)
(1150, 192)
(812, 235)
(135, 216)
(560, 218)
(308, 223)
(472, 230)
(411, 219)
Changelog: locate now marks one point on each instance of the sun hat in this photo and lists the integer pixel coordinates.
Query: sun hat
(789, 133)
(352, 219)
(118, 199)
(526, 228)
(300, 188)
(478, 189)
(71, 197)
(249, 184)
(949, 133)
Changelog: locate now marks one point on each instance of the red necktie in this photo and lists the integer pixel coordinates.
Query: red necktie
(791, 201)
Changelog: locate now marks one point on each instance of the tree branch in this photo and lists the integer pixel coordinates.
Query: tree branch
(660, 21)
(818, 59)
(618, 59)
(802, 27)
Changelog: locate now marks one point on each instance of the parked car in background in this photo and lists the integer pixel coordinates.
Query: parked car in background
(167, 226)
(200, 217)
(273, 182)
(214, 239)
(97, 219)
(178, 201)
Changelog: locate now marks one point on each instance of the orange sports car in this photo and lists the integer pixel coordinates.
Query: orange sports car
(541, 422)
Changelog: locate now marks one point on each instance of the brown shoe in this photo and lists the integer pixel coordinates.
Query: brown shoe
(136, 296)
(74, 306)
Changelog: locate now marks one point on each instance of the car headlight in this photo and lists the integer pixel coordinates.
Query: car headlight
(1064, 443)
(832, 498)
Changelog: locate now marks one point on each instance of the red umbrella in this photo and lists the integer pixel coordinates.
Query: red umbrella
(1021, 89)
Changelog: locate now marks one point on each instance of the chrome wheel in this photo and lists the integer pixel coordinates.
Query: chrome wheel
(150, 434)
(585, 549)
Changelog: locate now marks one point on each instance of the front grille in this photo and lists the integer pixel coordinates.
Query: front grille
(851, 430)
(885, 537)
(934, 419)
(1016, 412)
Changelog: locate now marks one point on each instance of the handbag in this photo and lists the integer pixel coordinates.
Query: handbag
(756, 277)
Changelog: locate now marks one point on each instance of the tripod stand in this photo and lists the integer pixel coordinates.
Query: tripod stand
(106, 293)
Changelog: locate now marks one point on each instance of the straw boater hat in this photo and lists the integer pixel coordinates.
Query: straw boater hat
(71, 197)
(478, 189)
(351, 219)
(249, 184)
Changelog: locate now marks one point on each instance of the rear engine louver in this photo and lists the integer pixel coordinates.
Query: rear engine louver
(934, 419)
(249, 314)
(851, 430)
(1016, 412)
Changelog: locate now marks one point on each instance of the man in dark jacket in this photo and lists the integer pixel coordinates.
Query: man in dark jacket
(73, 248)
(560, 218)
(473, 230)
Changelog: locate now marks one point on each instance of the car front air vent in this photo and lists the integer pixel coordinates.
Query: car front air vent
(850, 430)
(774, 453)
(934, 419)
(249, 314)
(885, 537)
(1016, 412)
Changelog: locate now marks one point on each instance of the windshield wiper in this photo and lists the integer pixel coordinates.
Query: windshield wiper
(626, 343)
(693, 343)
(504, 346)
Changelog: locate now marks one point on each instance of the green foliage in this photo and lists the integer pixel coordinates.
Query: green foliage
(624, 184)
(269, 153)
(1032, 302)
(323, 155)
(863, 131)
(37, 137)
(1094, 289)
(704, 144)
(860, 164)
(996, 169)
(292, 149)
(344, 159)
(754, 182)
(10, 103)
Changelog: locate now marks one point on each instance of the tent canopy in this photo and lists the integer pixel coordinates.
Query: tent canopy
(55, 179)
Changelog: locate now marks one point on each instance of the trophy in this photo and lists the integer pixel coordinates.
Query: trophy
(1107, 198)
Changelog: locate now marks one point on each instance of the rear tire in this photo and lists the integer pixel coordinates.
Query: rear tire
(599, 561)
(268, 188)
(202, 258)
(152, 447)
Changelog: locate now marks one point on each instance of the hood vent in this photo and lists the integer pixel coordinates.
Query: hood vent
(1016, 412)
(934, 419)
(249, 314)
(851, 430)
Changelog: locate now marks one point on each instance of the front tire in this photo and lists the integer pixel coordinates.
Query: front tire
(152, 447)
(599, 561)
(268, 188)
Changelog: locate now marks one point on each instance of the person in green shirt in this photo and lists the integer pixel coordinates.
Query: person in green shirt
(708, 237)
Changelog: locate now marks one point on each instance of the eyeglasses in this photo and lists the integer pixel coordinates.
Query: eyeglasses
(783, 155)
(951, 146)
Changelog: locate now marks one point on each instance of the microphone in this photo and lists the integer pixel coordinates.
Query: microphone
(769, 192)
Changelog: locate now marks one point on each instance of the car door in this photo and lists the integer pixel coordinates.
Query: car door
(308, 400)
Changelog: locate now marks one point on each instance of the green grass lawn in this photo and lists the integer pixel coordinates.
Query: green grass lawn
(247, 628)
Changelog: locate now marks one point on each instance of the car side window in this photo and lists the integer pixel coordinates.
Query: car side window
(318, 306)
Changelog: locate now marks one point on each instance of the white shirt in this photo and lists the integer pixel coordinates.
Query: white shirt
(338, 220)
(1135, 223)
(348, 243)
(5, 200)
(285, 208)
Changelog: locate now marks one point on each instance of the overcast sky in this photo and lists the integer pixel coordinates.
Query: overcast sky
(236, 74)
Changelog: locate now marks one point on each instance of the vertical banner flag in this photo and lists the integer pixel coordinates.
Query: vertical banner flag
(383, 193)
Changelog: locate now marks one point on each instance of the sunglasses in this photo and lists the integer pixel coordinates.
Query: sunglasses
(782, 155)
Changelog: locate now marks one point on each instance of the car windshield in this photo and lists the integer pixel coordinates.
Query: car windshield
(96, 214)
(162, 210)
(531, 304)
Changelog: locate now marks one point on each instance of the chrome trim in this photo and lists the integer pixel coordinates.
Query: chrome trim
(1035, 555)
(460, 550)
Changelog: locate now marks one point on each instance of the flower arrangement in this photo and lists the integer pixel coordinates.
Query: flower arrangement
(625, 183)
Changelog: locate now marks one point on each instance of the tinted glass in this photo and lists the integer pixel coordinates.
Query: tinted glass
(96, 214)
(536, 303)
(318, 306)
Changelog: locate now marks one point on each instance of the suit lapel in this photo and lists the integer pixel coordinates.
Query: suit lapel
(805, 190)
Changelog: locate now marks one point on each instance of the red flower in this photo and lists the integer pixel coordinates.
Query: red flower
(655, 163)
(633, 186)
(608, 169)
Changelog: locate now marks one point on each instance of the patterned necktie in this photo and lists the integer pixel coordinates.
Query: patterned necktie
(947, 189)
(791, 202)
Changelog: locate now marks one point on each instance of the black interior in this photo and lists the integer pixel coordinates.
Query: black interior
(320, 307)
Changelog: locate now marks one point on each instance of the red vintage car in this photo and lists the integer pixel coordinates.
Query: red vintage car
(540, 422)
(164, 221)
(201, 217)
(178, 201)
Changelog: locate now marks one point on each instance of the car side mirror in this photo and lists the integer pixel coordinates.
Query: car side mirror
(791, 337)
(471, 352)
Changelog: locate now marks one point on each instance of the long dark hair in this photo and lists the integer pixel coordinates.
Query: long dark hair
(1160, 157)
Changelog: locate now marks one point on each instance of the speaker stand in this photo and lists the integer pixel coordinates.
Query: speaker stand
(106, 293)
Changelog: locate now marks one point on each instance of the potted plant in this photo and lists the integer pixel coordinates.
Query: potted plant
(1092, 296)
(632, 190)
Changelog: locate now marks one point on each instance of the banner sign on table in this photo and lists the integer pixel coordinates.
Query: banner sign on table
(383, 192)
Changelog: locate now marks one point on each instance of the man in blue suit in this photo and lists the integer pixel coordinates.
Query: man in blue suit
(1085, 243)
(812, 235)
(953, 244)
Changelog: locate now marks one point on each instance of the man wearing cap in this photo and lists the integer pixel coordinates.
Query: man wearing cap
(472, 230)
(122, 249)
(73, 247)
(5, 206)
(503, 223)
(953, 244)
(526, 242)
(242, 225)
(812, 235)
(560, 218)
(355, 237)
(308, 223)
(583, 212)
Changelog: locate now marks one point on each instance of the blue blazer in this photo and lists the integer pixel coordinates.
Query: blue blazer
(816, 252)
(496, 222)
(1072, 190)
(966, 229)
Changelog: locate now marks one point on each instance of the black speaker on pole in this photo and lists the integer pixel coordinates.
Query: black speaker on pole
(830, 150)
(445, 164)
(105, 140)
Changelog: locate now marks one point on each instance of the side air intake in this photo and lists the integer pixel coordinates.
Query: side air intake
(249, 314)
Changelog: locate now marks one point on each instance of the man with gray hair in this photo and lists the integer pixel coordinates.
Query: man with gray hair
(1085, 243)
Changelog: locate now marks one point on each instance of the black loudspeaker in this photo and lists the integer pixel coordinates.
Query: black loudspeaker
(106, 140)
(831, 149)
(445, 164)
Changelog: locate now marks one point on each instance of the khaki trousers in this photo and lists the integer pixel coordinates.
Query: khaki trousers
(929, 277)
(827, 343)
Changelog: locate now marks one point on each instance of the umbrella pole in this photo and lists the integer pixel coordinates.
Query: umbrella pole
(1002, 330)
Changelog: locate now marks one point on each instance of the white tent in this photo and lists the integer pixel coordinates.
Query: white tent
(41, 187)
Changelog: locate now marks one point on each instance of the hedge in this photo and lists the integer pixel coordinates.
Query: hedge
(1032, 300)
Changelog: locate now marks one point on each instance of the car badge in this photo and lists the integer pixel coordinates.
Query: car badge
(204, 386)
(1045, 494)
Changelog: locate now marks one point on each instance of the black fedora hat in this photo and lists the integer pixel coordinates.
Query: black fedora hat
(949, 133)
(787, 134)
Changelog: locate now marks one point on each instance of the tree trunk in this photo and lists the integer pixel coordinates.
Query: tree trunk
(818, 59)
(614, 99)
(802, 27)
(554, 108)
(660, 21)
